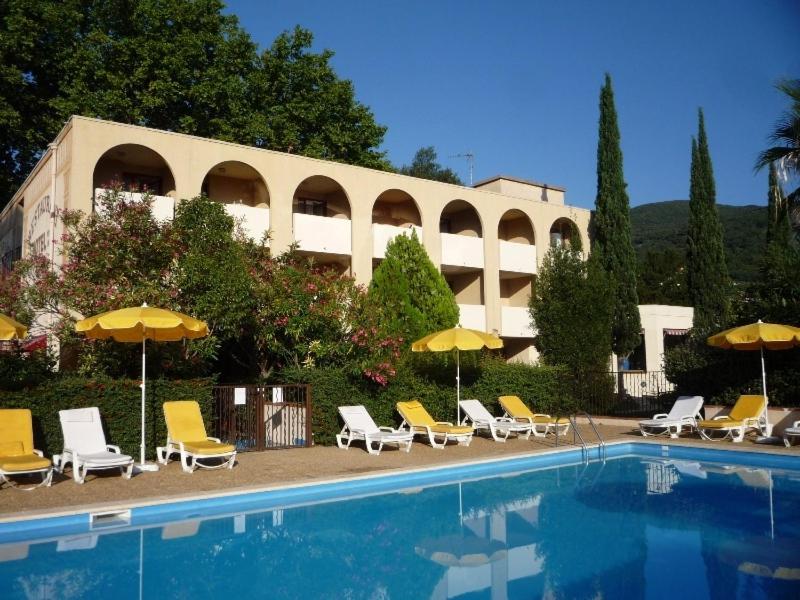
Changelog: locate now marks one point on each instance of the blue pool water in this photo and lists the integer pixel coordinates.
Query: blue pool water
(632, 527)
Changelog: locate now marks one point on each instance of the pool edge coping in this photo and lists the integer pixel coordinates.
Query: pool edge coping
(117, 506)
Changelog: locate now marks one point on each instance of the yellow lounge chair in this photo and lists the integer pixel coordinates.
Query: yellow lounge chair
(17, 455)
(420, 422)
(749, 412)
(542, 424)
(186, 435)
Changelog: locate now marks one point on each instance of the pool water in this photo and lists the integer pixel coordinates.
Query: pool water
(632, 527)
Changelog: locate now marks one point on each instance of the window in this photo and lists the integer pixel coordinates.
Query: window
(312, 206)
(137, 182)
(637, 361)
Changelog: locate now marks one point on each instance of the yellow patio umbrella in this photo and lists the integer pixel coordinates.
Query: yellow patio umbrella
(758, 336)
(10, 329)
(139, 324)
(457, 338)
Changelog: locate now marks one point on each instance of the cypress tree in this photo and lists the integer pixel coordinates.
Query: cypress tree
(413, 297)
(612, 231)
(707, 273)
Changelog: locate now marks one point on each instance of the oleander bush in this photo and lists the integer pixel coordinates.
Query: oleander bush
(119, 402)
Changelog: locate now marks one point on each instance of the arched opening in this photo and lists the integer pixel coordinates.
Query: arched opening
(394, 213)
(462, 261)
(516, 227)
(321, 221)
(321, 196)
(136, 170)
(460, 218)
(564, 231)
(234, 182)
(243, 192)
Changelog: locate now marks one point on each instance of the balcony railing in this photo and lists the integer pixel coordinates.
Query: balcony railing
(163, 206)
(462, 251)
(472, 316)
(383, 234)
(517, 258)
(322, 234)
(516, 322)
(255, 221)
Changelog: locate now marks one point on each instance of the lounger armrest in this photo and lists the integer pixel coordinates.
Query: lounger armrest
(527, 420)
(39, 453)
(213, 439)
(541, 415)
(686, 419)
(504, 420)
(388, 429)
(796, 424)
(720, 417)
(113, 448)
(660, 416)
(444, 423)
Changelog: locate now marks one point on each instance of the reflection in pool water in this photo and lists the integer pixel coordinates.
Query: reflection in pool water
(628, 528)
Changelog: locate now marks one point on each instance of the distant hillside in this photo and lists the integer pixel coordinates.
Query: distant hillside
(663, 225)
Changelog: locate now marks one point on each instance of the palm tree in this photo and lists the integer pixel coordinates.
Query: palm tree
(786, 154)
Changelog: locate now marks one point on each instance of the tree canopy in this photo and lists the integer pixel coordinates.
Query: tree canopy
(707, 273)
(612, 229)
(426, 166)
(177, 65)
(786, 135)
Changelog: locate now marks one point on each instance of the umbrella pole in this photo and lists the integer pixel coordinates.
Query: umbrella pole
(458, 387)
(767, 428)
(141, 462)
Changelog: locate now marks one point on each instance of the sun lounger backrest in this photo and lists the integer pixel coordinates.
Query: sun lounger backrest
(414, 413)
(82, 429)
(184, 421)
(16, 431)
(358, 419)
(748, 407)
(476, 411)
(685, 406)
(515, 407)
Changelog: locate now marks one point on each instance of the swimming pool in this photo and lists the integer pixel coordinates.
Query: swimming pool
(651, 521)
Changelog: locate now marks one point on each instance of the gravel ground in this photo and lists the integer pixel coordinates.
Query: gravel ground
(284, 467)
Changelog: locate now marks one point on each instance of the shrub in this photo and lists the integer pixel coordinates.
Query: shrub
(548, 389)
(119, 403)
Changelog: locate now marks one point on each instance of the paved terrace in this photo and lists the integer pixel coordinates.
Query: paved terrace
(257, 470)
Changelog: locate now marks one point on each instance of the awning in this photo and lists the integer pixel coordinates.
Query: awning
(35, 343)
(676, 331)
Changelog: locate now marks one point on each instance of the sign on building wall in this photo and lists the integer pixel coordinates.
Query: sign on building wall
(39, 226)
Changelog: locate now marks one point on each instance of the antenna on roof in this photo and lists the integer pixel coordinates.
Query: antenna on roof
(470, 161)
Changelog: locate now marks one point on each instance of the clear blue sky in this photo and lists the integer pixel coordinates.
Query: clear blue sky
(517, 82)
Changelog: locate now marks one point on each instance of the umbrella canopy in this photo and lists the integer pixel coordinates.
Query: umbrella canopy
(457, 338)
(10, 329)
(139, 324)
(758, 336)
(142, 323)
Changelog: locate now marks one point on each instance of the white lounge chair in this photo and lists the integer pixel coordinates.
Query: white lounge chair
(358, 425)
(500, 427)
(791, 432)
(684, 413)
(85, 445)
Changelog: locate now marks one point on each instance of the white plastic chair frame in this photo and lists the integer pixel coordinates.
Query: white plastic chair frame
(500, 428)
(85, 447)
(359, 425)
(672, 426)
(463, 439)
(47, 476)
(790, 432)
(191, 461)
(736, 433)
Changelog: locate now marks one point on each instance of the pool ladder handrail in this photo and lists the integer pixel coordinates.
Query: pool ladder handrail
(601, 444)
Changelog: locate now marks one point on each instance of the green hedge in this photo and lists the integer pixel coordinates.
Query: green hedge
(545, 388)
(119, 401)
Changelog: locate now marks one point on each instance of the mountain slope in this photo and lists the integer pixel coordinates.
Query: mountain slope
(663, 225)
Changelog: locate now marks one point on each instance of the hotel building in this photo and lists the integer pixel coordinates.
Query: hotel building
(488, 239)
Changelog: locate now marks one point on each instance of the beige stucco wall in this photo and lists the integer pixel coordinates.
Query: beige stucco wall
(655, 319)
(83, 142)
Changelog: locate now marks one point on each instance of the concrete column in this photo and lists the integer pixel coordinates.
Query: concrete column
(491, 275)
(361, 227)
(280, 215)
